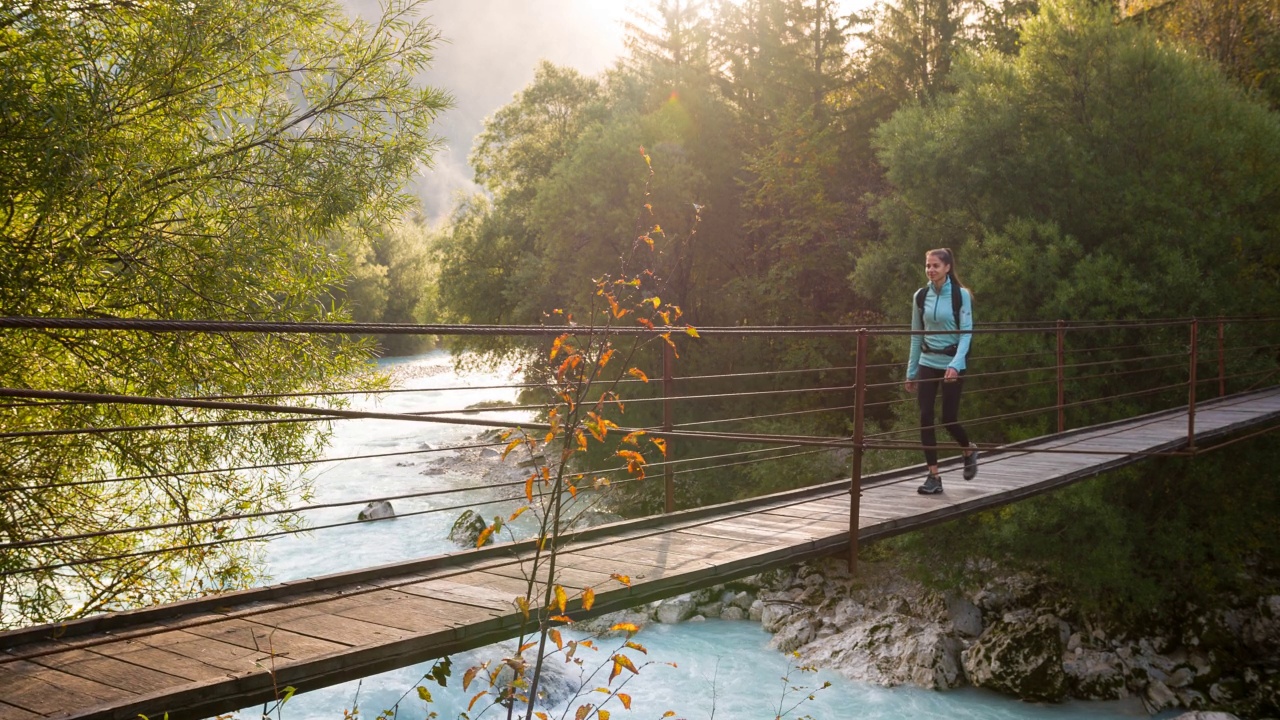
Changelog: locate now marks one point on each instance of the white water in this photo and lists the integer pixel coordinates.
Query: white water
(723, 669)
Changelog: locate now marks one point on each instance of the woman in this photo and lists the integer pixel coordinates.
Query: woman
(944, 310)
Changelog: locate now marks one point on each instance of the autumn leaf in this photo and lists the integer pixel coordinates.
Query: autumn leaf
(602, 714)
(478, 695)
(660, 444)
(468, 676)
(528, 488)
(583, 712)
(561, 618)
(525, 646)
(511, 446)
(637, 372)
(637, 646)
(573, 490)
(657, 229)
(522, 603)
(620, 627)
(669, 713)
(541, 715)
(554, 634)
(588, 598)
(626, 700)
(691, 331)
(645, 322)
(561, 598)
(483, 538)
(555, 345)
(624, 579)
(518, 513)
(625, 662)
(606, 356)
(655, 301)
(423, 694)
(582, 439)
(630, 438)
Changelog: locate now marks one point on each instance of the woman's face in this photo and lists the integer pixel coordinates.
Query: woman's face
(935, 269)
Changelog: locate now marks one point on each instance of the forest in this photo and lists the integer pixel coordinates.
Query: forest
(1085, 159)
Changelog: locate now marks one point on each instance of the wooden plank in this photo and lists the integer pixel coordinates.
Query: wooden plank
(12, 712)
(179, 665)
(270, 643)
(418, 614)
(449, 589)
(38, 689)
(224, 656)
(329, 627)
(134, 679)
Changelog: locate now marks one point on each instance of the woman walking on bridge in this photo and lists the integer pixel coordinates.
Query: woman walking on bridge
(943, 309)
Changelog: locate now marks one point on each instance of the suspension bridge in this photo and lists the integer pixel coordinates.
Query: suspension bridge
(204, 656)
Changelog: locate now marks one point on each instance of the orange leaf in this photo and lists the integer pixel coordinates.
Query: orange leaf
(583, 712)
(630, 438)
(511, 446)
(624, 579)
(484, 537)
(625, 662)
(479, 695)
(645, 322)
(555, 345)
(528, 488)
(588, 598)
(518, 512)
(468, 676)
(614, 672)
(637, 372)
(660, 444)
(554, 634)
(637, 646)
(525, 646)
(605, 356)
(561, 618)
(669, 713)
(582, 440)
(541, 715)
(573, 490)
(626, 700)
(622, 627)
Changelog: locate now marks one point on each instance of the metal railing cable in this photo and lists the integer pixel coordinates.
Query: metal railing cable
(150, 552)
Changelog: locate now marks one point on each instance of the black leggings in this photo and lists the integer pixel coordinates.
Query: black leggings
(927, 382)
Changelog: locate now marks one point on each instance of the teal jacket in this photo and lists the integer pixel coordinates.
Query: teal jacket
(940, 323)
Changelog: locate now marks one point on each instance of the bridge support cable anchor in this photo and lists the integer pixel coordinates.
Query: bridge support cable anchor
(855, 483)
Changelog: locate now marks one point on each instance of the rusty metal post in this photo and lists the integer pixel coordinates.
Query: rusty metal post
(1062, 379)
(855, 484)
(1191, 390)
(668, 421)
(1222, 358)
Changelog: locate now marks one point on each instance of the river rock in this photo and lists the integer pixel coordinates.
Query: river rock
(799, 630)
(1157, 697)
(379, 510)
(1094, 674)
(674, 610)
(603, 624)
(890, 650)
(774, 615)
(1206, 715)
(711, 610)
(1019, 658)
(733, 612)
(756, 611)
(467, 528)
(558, 682)
(965, 617)
(742, 600)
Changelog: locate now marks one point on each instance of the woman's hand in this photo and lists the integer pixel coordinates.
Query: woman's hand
(951, 375)
(911, 386)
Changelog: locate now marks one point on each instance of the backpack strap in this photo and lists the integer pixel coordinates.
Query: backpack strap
(920, 295)
(957, 302)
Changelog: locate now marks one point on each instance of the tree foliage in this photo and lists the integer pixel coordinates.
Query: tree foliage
(179, 161)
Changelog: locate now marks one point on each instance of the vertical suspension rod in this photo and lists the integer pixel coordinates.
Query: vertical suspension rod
(855, 484)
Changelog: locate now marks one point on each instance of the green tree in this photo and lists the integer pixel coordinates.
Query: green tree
(179, 160)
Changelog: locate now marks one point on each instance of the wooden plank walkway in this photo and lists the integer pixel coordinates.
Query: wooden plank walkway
(202, 657)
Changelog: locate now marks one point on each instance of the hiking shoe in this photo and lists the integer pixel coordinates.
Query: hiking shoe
(971, 465)
(932, 486)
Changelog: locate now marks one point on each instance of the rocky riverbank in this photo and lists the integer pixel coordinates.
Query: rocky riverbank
(1012, 636)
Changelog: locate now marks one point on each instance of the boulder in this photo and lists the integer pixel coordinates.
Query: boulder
(601, 625)
(674, 610)
(756, 611)
(890, 650)
(379, 510)
(1157, 697)
(742, 600)
(1094, 674)
(1018, 658)
(794, 634)
(467, 528)
(733, 612)
(711, 610)
(1205, 715)
(774, 615)
(965, 617)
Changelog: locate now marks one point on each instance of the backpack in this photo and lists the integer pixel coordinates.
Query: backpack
(957, 302)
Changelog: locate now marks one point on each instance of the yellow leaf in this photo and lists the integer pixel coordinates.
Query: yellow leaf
(669, 713)
(637, 646)
(691, 331)
(605, 356)
(602, 714)
(655, 300)
(522, 603)
(561, 598)
(624, 579)
(588, 598)
(541, 715)
(479, 695)
(528, 488)
(614, 672)
(626, 700)
(562, 618)
(630, 438)
(518, 513)
(555, 345)
(621, 627)
(511, 446)
(637, 372)
(657, 229)
(582, 440)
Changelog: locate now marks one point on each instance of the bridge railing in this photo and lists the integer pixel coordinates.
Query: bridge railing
(794, 394)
